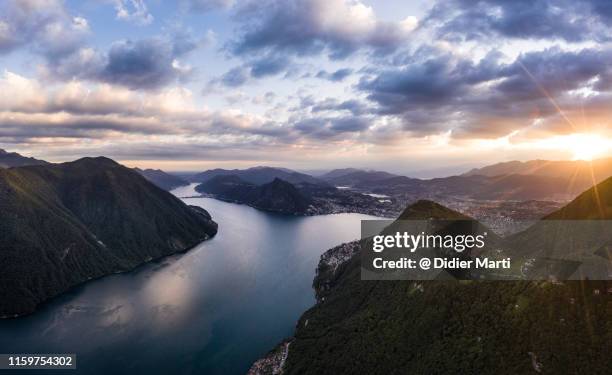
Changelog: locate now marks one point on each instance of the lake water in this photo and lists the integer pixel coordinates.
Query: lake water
(212, 310)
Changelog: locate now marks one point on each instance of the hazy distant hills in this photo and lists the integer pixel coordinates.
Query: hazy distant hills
(534, 180)
(339, 172)
(579, 175)
(505, 187)
(394, 191)
(513, 181)
(379, 327)
(354, 177)
(162, 179)
(13, 159)
(259, 175)
(63, 224)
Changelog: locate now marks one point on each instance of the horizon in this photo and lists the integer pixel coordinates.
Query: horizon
(421, 174)
(223, 83)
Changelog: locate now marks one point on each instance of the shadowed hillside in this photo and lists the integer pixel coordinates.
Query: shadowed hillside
(397, 327)
(63, 224)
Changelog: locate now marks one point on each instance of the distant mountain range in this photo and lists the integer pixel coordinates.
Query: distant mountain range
(536, 180)
(541, 181)
(478, 187)
(354, 177)
(301, 198)
(13, 159)
(162, 179)
(259, 175)
(578, 175)
(514, 327)
(63, 224)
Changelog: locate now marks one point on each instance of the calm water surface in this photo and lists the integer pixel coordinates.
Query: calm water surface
(212, 310)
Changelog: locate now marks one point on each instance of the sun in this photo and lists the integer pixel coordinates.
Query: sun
(587, 146)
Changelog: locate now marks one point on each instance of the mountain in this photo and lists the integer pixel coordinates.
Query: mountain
(295, 199)
(593, 204)
(339, 172)
(280, 196)
(276, 196)
(13, 159)
(579, 175)
(259, 175)
(478, 187)
(383, 327)
(63, 224)
(162, 179)
(579, 232)
(354, 177)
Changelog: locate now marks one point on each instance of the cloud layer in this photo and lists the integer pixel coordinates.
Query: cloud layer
(301, 75)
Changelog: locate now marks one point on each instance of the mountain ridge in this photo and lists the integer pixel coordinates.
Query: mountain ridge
(63, 224)
(259, 175)
(162, 179)
(13, 159)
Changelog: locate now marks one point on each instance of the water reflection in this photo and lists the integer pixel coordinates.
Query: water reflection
(212, 310)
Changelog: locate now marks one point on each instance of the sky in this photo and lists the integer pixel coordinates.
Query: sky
(309, 84)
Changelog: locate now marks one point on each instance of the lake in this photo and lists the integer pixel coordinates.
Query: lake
(212, 310)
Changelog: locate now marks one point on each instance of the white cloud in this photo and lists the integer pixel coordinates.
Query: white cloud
(133, 10)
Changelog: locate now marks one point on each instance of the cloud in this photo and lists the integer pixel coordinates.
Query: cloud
(572, 21)
(433, 92)
(337, 76)
(354, 106)
(124, 123)
(300, 28)
(206, 5)
(146, 64)
(235, 77)
(268, 66)
(134, 11)
(326, 128)
(254, 69)
(44, 25)
(60, 38)
(29, 110)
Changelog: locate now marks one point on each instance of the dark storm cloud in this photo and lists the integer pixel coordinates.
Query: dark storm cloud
(337, 76)
(569, 20)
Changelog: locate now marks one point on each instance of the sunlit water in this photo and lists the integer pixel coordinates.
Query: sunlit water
(212, 310)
